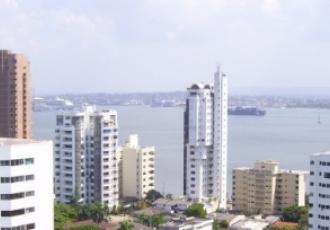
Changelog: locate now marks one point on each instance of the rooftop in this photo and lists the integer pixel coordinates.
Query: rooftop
(321, 154)
(16, 141)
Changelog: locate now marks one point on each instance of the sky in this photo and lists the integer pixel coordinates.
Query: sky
(115, 46)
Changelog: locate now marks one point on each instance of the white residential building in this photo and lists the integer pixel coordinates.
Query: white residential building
(86, 165)
(189, 223)
(319, 200)
(26, 184)
(137, 169)
(205, 141)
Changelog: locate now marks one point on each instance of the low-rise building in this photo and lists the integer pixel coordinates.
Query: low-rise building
(189, 223)
(267, 189)
(250, 224)
(137, 169)
(172, 205)
(229, 218)
(26, 184)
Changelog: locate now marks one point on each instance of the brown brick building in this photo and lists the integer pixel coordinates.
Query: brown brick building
(15, 95)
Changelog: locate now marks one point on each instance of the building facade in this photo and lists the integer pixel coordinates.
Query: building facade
(26, 184)
(137, 169)
(319, 187)
(15, 96)
(205, 141)
(86, 166)
(267, 189)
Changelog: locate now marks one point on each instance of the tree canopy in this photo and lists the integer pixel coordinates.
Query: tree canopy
(196, 210)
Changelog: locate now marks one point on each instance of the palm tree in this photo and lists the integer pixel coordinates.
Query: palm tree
(126, 225)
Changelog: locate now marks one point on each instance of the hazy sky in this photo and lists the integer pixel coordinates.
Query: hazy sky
(150, 45)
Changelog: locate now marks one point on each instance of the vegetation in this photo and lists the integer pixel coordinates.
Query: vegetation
(126, 225)
(154, 220)
(196, 210)
(152, 196)
(68, 213)
(220, 225)
(295, 214)
(298, 215)
(63, 214)
(88, 227)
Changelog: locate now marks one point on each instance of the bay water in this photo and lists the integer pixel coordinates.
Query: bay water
(285, 135)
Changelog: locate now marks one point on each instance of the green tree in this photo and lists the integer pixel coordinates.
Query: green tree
(143, 218)
(126, 225)
(99, 212)
(295, 214)
(158, 220)
(220, 225)
(153, 195)
(196, 210)
(85, 212)
(87, 227)
(63, 214)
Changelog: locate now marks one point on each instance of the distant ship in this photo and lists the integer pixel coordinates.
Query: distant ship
(246, 111)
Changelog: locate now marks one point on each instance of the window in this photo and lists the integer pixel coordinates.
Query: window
(29, 177)
(326, 175)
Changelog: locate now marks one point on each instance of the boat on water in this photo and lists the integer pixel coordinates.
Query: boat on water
(246, 111)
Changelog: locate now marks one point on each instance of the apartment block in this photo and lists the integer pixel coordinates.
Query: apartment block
(15, 96)
(137, 169)
(319, 187)
(86, 165)
(267, 189)
(26, 184)
(205, 141)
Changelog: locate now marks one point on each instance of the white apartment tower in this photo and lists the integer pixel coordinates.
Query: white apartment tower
(138, 169)
(205, 141)
(319, 188)
(26, 184)
(86, 157)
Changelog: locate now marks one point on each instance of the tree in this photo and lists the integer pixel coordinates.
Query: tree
(295, 214)
(196, 210)
(153, 195)
(87, 227)
(158, 220)
(85, 212)
(63, 214)
(126, 225)
(99, 212)
(219, 225)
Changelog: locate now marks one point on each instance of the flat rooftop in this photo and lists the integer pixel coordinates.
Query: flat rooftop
(17, 141)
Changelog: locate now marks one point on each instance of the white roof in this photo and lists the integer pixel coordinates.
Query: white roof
(17, 141)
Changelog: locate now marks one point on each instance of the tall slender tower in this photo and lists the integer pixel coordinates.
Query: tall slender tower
(15, 95)
(205, 141)
(220, 136)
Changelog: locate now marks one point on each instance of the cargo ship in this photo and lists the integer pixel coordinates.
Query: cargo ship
(246, 111)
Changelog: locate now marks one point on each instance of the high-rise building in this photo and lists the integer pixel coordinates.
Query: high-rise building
(26, 184)
(15, 95)
(319, 187)
(137, 169)
(267, 189)
(205, 141)
(86, 166)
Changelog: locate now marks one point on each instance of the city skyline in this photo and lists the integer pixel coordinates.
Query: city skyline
(164, 45)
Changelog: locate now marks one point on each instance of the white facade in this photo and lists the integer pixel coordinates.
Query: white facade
(26, 184)
(189, 224)
(319, 211)
(86, 165)
(137, 169)
(205, 141)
